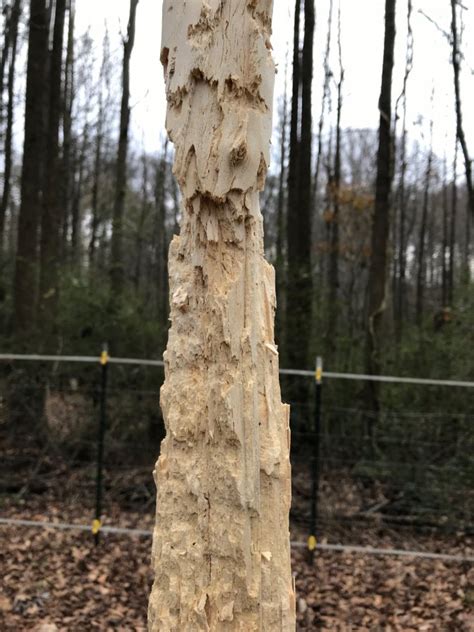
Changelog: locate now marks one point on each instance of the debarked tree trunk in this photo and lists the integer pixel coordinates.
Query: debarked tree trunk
(221, 545)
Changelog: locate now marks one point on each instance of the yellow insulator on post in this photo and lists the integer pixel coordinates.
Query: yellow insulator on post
(104, 357)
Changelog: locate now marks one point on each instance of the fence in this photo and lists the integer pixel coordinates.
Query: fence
(388, 471)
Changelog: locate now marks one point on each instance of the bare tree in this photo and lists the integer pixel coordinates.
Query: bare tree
(52, 212)
(299, 301)
(13, 45)
(5, 10)
(141, 223)
(25, 283)
(68, 95)
(281, 215)
(420, 258)
(335, 193)
(453, 223)
(401, 263)
(326, 91)
(381, 221)
(293, 160)
(77, 192)
(295, 113)
(161, 240)
(445, 239)
(456, 60)
(104, 78)
(116, 263)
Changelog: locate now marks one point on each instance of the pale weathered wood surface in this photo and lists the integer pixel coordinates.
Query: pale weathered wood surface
(221, 545)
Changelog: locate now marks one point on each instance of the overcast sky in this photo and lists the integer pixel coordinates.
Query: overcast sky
(362, 46)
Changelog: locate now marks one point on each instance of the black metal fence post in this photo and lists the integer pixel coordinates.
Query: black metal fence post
(97, 523)
(315, 469)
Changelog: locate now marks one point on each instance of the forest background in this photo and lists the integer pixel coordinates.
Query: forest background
(89, 204)
(368, 214)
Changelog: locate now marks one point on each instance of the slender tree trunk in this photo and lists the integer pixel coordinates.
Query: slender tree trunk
(458, 103)
(52, 217)
(326, 91)
(99, 141)
(299, 303)
(76, 214)
(280, 267)
(95, 220)
(295, 115)
(421, 262)
(467, 245)
(161, 243)
(293, 176)
(431, 268)
(13, 36)
(381, 221)
(281, 190)
(221, 543)
(4, 56)
(117, 272)
(399, 298)
(333, 295)
(445, 241)
(305, 156)
(67, 160)
(452, 230)
(141, 224)
(25, 283)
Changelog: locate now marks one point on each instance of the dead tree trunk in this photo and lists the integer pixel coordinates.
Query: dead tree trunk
(221, 547)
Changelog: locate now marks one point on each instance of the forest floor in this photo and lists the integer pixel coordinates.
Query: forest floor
(52, 580)
(55, 580)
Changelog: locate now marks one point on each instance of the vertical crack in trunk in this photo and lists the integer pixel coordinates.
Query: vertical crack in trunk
(227, 443)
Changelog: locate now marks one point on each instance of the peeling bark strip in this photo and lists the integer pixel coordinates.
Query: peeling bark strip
(221, 544)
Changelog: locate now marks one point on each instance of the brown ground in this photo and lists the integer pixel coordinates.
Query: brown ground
(53, 581)
(59, 581)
